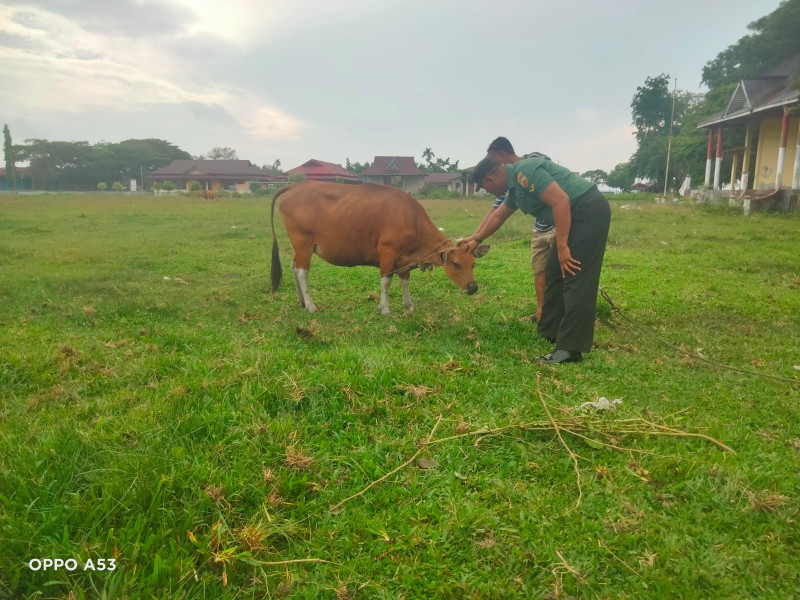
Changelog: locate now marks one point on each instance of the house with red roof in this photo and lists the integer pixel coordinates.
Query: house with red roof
(319, 170)
(396, 171)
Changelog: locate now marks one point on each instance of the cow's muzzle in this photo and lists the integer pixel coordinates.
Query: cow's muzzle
(471, 288)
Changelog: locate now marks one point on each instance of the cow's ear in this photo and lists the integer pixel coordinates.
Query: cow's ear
(481, 251)
(443, 257)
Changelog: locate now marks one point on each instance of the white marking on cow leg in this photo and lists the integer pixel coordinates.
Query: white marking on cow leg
(385, 283)
(406, 295)
(302, 276)
(297, 288)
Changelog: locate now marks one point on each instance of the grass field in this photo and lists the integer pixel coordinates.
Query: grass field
(196, 429)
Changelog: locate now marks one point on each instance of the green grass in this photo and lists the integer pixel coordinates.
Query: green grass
(135, 409)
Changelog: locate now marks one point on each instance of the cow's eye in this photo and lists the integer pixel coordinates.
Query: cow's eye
(457, 265)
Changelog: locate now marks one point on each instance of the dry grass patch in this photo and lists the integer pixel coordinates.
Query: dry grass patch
(765, 501)
(297, 459)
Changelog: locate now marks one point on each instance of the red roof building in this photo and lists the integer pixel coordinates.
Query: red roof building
(319, 170)
(396, 171)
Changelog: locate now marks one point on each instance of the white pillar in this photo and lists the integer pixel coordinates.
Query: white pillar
(718, 162)
(796, 172)
(746, 160)
(708, 156)
(782, 149)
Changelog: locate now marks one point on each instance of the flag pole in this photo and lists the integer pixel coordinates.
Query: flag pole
(669, 143)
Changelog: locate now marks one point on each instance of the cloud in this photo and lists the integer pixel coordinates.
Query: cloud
(50, 74)
(118, 17)
(28, 20)
(271, 124)
(12, 40)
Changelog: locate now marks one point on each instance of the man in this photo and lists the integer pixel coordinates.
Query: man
(544, 234)
(581, 216)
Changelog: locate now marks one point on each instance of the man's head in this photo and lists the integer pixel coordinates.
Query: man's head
(502, 151)
(490, 174)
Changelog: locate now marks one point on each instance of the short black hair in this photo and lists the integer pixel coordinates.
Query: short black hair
(482, 169)
(501, 144)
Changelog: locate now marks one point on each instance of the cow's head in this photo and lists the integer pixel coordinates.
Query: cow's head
(459, 264)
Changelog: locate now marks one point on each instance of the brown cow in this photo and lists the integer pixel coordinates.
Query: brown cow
(376, 225)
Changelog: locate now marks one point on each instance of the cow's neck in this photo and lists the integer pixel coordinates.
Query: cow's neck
(433, 241)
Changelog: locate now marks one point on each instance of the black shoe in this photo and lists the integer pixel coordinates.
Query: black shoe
(559, 356)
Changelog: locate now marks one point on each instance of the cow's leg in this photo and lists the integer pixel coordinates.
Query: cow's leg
(385, 283)
(300, 300)
(387, 258)
(404, 277)
(303, 249)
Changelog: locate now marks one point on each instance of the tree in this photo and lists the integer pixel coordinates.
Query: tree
(8, 151)
(194, 186)
(297, 177)
(598, 176)
(254, 187)
(274, 169)
(222, 153)
(437, 165)
(117, 186)
(102, 186)
(773, 38)
(621, 177)
(78, 165)
(356, 168)
(651, 107)
(168, 186)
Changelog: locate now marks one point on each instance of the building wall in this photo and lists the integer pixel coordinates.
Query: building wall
(408, 183)
(769, 139)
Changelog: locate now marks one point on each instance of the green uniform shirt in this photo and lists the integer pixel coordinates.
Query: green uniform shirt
(528, 178)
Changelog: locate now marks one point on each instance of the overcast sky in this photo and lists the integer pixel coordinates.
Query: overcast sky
(298, 79)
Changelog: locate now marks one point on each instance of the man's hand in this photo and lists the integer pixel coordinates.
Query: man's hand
(568, 264)
(468, 244)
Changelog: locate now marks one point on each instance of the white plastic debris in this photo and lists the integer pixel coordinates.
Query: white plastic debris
(166, 278)
(625, 206)
(441, 228)
(601, 403)
(797, 367)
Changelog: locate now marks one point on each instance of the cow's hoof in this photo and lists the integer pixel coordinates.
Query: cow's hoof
(385, 312)
(409, 310)
(311, 308)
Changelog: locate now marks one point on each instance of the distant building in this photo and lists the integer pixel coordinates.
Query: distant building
(641, 186)
(211, 174)
(453, 182)
(396, 171)
(467, 173)
(319, 170)
(23, 179)
(768, 105)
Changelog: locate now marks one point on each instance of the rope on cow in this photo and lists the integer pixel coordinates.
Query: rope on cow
(421, 261)
(651, 333)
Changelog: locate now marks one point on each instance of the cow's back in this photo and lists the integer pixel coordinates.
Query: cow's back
(349, 223)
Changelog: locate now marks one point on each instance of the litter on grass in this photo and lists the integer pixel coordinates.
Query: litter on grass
(601, 403)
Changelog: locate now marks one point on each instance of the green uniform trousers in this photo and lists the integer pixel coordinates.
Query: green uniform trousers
(570, 302)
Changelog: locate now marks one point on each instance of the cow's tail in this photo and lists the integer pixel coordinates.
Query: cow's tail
(276, 271)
